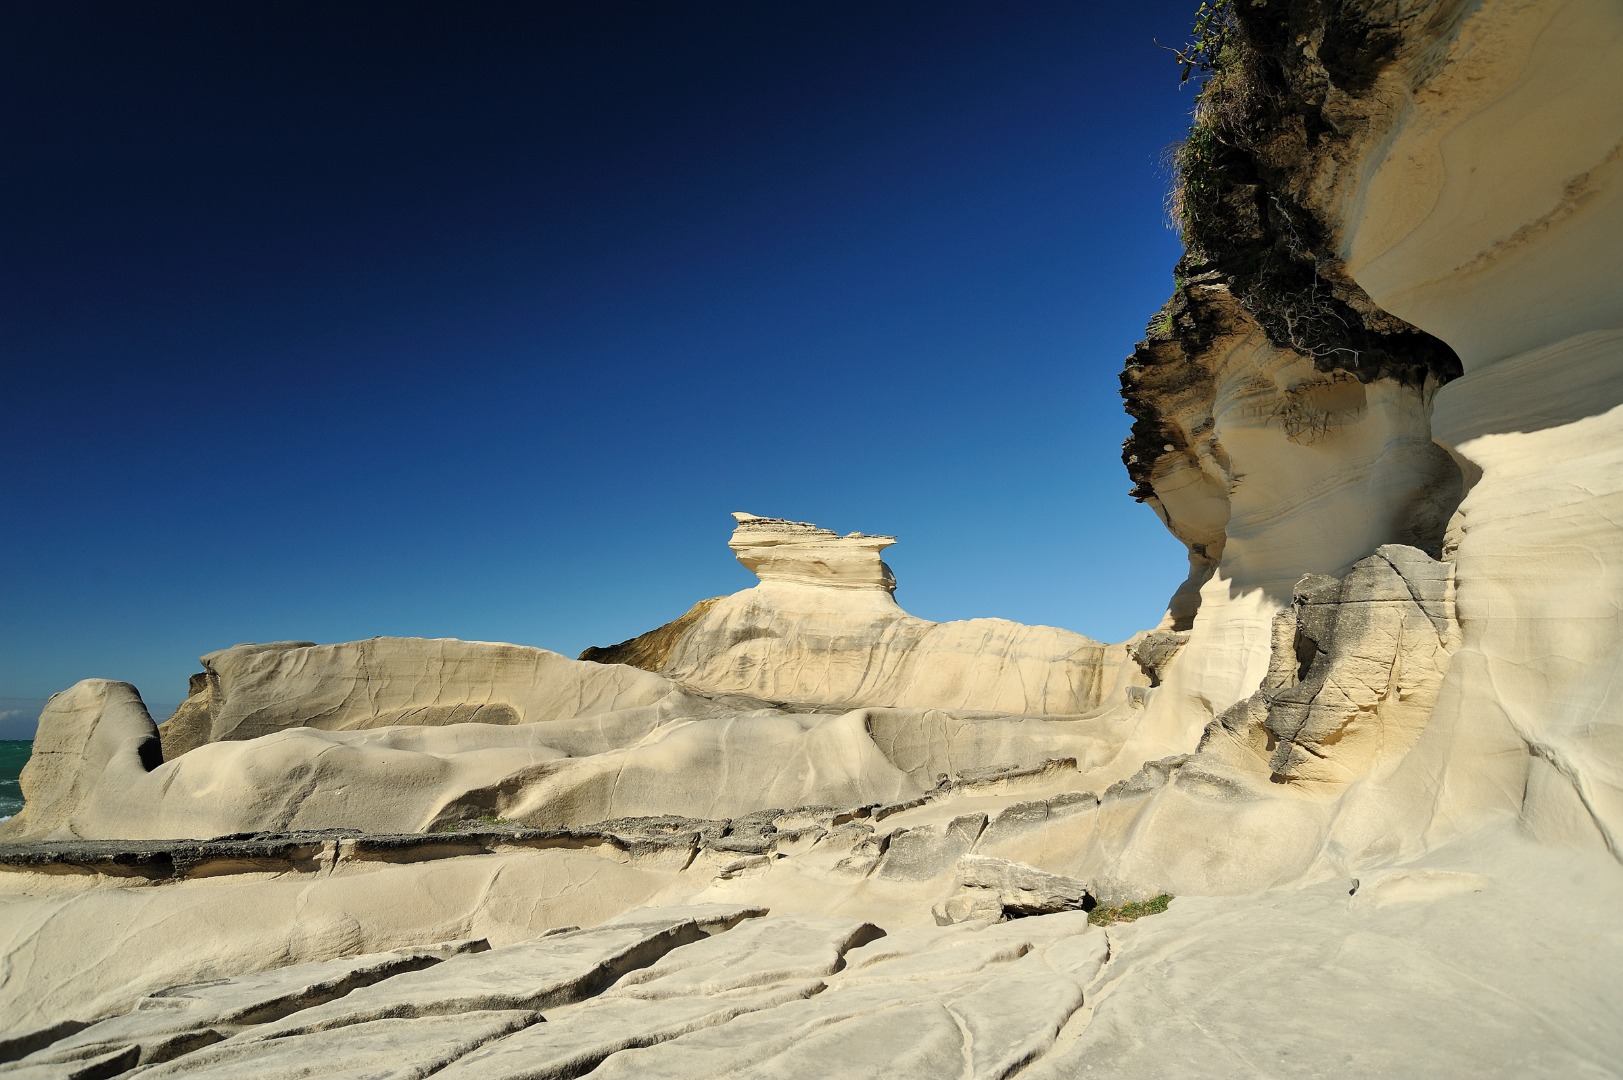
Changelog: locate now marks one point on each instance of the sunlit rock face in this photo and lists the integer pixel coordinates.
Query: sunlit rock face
(1292, 782)
(1354, 673)
(812, 689)
(1491, 218)
(822, 627)
(1471, 186)
(101, 775)
(253, 690)
(1363, 719)
(99, 736)
(783, 552)
(1270, 469)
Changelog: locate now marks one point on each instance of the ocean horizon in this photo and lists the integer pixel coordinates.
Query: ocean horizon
(19, 717)
(13, 756)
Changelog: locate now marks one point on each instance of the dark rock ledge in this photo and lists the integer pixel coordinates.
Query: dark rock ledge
(674, 840)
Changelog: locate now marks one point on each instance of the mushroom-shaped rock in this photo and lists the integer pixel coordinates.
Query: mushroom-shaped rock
(799, 553)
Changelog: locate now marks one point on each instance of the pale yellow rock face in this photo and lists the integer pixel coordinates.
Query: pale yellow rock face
(837, 974)
(1491, 219)
(1490, 214)
(1483, 206)
(823, 628)
(1288, 471)
(99, 738)
(260, 689)
(127, 941)
(799, 553)
(99, 775)
(642, 761)
(756, 706)
(793, 643)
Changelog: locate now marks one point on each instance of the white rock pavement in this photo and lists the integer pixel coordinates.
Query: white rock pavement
(685, 992)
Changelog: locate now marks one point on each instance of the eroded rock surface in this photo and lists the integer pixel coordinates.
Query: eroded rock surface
(751, 707)
(799, 553)
(823, 627)
(99, 733)
(994, 889)
(719, 989)
(1356, 668)
(181, 1019)
(1520, 276)
(684, 992)
(1268, 468)
(253, 690)
(1368, 786)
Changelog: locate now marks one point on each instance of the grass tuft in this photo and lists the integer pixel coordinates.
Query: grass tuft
(1133, 909)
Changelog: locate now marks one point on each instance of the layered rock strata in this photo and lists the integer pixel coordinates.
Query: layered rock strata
(1489, 219)
(1356, 668)
(1267, 468)
(669, 991)
(393, 735)
(799, 553)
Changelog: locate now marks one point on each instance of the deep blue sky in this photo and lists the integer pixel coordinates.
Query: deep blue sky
(477, 319)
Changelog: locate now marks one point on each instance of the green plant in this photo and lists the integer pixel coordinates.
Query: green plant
(1133, 909)
(1210, 36)
(1196, 179)
(1231, 97)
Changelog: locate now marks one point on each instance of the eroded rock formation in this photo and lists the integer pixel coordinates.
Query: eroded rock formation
(817, 666)
(1375, 725)
(823, 628)
(1439, 175)
(254, 690)
(1356, 667)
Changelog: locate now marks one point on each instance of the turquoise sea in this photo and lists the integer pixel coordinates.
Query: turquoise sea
(13, 756)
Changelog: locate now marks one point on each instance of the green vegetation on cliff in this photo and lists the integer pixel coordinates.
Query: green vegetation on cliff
(1283, 87)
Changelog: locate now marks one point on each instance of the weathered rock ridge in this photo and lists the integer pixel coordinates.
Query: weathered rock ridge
(823, 627)
(254, 690)
(812, 689)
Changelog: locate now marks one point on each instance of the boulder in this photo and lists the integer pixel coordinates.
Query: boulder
(992, 888)
(95, 734)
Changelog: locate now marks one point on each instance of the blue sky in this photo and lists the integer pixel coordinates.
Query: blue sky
(477, 320)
